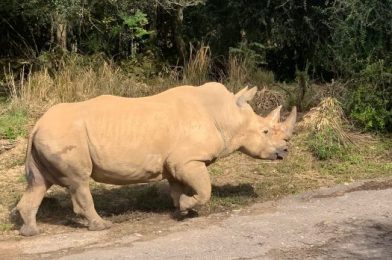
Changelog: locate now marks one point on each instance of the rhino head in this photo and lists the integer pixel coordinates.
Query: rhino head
(263, 137)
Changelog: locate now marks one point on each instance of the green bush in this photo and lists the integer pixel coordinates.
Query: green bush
(325, 144)
(370, 102)
(369, 108)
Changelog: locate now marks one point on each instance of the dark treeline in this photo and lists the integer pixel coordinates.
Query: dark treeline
(328, 39)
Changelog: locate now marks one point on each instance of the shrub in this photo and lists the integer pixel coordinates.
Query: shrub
(370, 102)
(369, 109)
(325, 144)
(325, 123)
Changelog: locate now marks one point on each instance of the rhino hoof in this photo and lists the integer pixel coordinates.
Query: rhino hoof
(28, 231)
(99, 225)
(179, 214)
(15, 216)
(183, 214)
(192, 213)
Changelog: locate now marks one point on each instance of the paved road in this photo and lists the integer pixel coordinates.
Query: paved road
(351, 222)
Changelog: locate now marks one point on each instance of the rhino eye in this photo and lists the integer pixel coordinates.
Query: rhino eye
(265, 131)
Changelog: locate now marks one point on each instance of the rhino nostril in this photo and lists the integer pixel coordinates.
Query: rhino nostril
(285, 150)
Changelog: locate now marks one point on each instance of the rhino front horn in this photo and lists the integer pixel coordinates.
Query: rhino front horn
(289, 123)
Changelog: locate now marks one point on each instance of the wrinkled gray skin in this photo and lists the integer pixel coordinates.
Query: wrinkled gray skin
(172, 135)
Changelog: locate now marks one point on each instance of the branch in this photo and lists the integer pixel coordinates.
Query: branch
(173, 4)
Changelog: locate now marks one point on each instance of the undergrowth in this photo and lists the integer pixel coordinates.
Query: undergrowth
(75, 80)
(325, 144)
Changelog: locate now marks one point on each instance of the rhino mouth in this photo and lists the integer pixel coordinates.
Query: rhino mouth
(279, 157)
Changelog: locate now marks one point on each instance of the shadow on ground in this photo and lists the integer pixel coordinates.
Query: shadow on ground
(122, 203)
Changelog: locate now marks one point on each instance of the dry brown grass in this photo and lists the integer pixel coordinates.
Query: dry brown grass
(73, 82)
(197, 69)
(327, 115)
(241, 71)
(237, 72)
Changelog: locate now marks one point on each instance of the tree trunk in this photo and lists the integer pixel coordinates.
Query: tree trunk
(154, 24)
(61, 34)
(180, 43)
(61, 31)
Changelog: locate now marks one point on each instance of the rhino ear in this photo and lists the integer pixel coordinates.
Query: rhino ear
(274, 115)
(245, 95)
(241, 92)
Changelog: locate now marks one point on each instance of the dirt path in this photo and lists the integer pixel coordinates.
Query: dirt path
(353, 221)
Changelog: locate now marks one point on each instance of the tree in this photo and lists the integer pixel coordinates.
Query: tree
(177, 8)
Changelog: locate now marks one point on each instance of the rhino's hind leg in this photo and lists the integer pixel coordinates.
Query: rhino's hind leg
(83, 204)
(28, 207)
(195, 175)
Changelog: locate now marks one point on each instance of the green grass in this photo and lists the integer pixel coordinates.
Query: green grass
(13, 122)
(216, 170)
(22, 178)
(350, 170)
(325, 144)
(362, 162)
(6, 227)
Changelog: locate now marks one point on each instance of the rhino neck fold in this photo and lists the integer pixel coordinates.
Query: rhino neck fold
(229, 140)
(225, 141)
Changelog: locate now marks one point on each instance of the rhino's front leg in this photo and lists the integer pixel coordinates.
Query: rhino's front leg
(195, 175)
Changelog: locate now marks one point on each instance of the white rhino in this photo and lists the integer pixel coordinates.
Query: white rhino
(117, 140)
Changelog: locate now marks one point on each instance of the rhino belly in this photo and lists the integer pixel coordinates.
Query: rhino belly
(122, 172)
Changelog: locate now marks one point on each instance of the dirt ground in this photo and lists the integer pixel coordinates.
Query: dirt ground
(345, 221)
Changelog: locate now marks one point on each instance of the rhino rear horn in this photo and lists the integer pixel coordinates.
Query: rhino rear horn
(245, 95)
(274, 115)
(289, 123)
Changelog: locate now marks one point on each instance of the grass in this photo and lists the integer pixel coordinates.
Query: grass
(197, 69)
(74, 80)
(325, 144)
(364, 162)
(241, 71)
(13, 122)
(5, 227)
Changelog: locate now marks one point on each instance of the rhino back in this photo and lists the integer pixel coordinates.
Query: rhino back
(160, 124)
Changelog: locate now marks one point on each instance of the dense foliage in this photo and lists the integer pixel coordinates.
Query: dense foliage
(348, 40)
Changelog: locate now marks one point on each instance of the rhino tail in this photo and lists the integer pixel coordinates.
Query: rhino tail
(31, 164)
